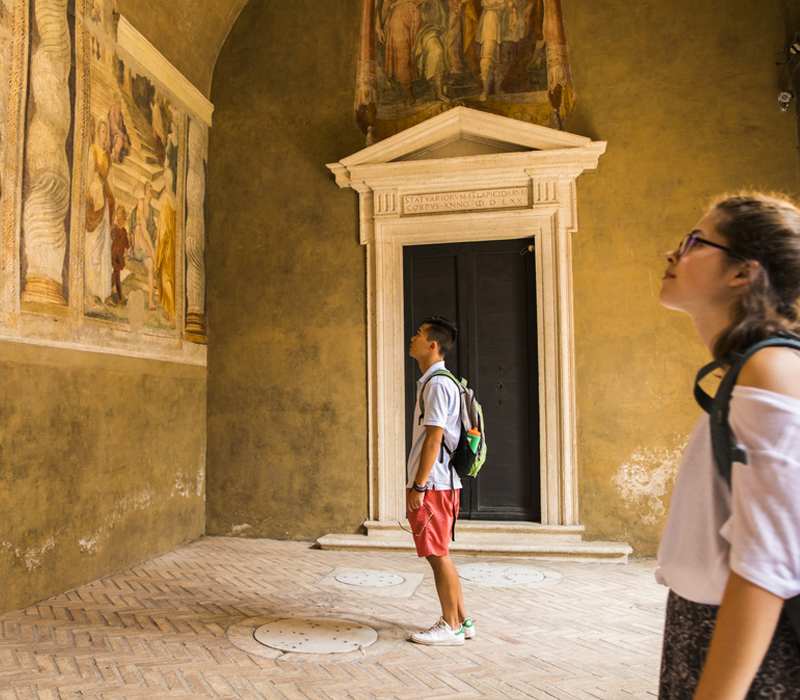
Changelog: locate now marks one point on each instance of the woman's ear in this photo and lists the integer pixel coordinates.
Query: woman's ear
(747, 271)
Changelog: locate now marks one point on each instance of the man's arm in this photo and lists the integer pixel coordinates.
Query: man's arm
(427, 458)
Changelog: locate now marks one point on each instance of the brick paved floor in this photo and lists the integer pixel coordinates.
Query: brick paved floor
(181, 626)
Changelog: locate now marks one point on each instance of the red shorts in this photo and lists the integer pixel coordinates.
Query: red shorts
(432, 524)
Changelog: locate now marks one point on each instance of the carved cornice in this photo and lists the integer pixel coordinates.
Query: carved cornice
(504, 133)
(520, 150)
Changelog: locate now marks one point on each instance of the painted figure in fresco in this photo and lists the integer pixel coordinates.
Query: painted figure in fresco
(171, 153)
(461, 23)
(96, 15)
(501, 26)
(142, 228)
(99, 213)
(119, 244)
(165, 249)
(529, 50)
(120, 141)
(412, 31)
(158, 129)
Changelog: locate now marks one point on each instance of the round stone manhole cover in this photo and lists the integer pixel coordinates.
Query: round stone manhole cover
(315, 635)
(508, 576)
(373, 579)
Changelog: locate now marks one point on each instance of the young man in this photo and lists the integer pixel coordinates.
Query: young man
(433, 489)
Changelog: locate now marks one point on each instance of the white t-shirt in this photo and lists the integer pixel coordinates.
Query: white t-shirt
(442, 409)
(753, 529)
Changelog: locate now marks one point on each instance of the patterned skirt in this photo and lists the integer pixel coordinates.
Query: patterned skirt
(687, 637)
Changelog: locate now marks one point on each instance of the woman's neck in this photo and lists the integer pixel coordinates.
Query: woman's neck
(711, 325)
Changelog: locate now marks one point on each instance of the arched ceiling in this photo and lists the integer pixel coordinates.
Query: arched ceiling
(189, 33)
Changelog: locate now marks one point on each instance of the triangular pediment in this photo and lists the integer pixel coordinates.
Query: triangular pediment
(463, 132)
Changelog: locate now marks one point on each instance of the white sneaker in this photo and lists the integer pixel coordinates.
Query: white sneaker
(440, 634)
(468, 626)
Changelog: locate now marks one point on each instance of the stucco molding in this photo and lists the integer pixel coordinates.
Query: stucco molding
(135, 50)
(545, 168)
(11, 161)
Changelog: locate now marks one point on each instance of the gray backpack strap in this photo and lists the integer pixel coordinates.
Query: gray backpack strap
(437, 373)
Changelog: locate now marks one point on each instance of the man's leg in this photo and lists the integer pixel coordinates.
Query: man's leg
(448, 588)
(432, 534)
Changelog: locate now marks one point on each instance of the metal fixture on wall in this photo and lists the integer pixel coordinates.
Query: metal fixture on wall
(790, 65)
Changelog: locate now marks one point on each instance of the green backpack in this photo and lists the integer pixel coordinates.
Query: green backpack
(467, 460)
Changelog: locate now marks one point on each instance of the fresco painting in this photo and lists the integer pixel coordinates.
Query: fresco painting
(103, 161)
(421, 57)
(130, 238)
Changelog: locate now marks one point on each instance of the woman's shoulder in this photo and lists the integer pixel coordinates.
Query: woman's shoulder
(773, 369)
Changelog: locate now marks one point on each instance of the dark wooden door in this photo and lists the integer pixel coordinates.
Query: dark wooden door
(489, 290)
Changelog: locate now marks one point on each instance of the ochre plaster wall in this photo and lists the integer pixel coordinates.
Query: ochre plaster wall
(103, 466)
(685, 93)
(286, 279)
(189, 33)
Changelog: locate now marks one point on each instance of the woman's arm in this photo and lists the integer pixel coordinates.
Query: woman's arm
(748, 614)
(745, 624)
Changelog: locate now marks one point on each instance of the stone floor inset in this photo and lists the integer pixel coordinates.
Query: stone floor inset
(372, 582)
(369, 579)
(509, 575)
(315, 635)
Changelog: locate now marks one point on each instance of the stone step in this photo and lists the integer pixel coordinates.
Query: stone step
(479, 528)
(489, 538)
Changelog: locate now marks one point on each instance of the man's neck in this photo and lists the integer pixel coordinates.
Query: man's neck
(426, 363)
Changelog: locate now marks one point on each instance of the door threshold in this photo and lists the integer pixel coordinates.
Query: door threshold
(490, 537)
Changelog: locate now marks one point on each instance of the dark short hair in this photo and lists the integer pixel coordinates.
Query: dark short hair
(441, 330)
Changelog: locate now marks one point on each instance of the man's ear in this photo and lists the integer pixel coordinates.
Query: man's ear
(748, 271)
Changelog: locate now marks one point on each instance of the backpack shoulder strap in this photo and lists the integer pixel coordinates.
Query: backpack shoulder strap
(437, 373)
(723, 442)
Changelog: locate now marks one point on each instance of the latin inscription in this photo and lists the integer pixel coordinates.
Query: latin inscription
(463, 201)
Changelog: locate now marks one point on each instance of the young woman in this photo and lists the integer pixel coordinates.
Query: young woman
(730, 556)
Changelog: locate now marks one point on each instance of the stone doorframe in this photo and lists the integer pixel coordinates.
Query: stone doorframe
(469, 176)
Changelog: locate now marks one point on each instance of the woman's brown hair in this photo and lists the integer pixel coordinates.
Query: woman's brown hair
(765, 229)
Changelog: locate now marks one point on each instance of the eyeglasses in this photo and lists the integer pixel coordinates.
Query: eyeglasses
(425, 526)
(691, 238)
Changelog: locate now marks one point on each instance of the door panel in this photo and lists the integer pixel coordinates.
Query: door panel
(489, 290)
